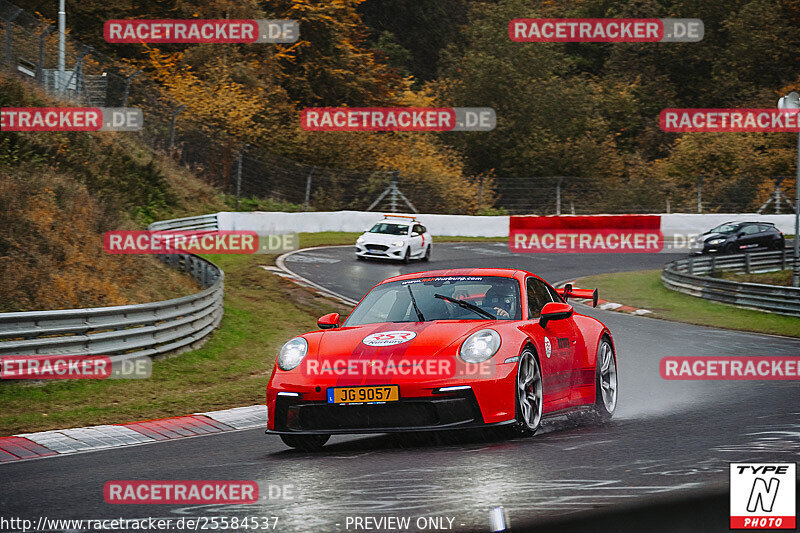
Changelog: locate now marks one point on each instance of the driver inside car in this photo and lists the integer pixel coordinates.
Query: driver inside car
(500, 301)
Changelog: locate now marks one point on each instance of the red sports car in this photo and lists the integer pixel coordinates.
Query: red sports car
(443, 350)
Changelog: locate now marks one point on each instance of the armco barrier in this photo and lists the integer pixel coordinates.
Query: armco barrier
(200, 223)
(121, 331)
(126, 330)
(686, 276)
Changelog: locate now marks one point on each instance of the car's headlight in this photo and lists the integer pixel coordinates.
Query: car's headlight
(716, 241)
(480, 346)
(399, 243)
(292, 353)
(360, 240)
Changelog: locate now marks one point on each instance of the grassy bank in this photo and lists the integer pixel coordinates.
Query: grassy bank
(644, 289)
(780, 277)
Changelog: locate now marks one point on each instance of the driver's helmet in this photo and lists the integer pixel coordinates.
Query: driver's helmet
(501, 296)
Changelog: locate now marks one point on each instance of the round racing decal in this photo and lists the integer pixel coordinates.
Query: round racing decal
(388, 338)
(547, 347)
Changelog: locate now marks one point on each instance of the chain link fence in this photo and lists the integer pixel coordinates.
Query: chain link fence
(89, 78)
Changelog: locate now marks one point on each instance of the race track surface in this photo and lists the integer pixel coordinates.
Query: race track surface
(668, 440)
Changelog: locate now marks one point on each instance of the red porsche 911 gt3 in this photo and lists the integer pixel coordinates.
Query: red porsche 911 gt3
(442, 350)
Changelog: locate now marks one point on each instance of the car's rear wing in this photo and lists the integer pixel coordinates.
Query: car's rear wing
(568, 291)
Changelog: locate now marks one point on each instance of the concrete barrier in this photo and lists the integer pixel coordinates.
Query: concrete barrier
(458, 225)
(358, 221)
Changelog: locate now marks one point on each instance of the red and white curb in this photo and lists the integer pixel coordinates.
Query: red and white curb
(609, 306)
(67, 441)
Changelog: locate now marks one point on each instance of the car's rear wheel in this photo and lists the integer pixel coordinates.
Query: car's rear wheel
(606, 388)
(407, 257)
(606, 381)
(529, 396)
(305, 443)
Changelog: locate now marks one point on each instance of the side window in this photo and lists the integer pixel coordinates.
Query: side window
(417, 229)
(538, 295)
(553, 294)
(750, 229)
(763, 228)
(423, 229)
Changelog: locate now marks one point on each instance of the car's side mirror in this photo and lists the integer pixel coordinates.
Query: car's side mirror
(554, 311)
(329, 321)
(415, 234)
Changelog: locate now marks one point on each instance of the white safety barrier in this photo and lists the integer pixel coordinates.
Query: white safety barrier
(683, 224)
(267, 223)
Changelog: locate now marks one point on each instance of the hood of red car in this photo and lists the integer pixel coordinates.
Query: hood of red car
(395, 340)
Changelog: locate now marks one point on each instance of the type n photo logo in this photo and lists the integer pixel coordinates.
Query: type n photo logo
(763, 495)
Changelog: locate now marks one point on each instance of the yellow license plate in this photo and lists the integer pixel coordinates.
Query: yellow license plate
(380, 393)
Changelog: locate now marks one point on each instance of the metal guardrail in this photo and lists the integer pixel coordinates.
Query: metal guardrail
(199, 223)
(691, 276)
(125, 331)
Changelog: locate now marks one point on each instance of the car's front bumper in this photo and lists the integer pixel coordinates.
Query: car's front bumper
(456, 410)
(380, 250)
(486, 396)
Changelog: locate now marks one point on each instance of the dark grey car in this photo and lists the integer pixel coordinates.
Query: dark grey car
(739, 237)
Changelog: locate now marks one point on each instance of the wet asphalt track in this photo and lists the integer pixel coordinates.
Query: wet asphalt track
(669, 440)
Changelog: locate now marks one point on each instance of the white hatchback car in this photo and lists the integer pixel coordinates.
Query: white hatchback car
(395, 237)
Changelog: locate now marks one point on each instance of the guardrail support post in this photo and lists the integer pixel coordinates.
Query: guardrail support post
(746, 263)
(700, 195)
(713, 265)
(691, 266)
(307, 198)
(239, 176)
(9, 28)
(127, 90)
(558, 196)
(40, 60)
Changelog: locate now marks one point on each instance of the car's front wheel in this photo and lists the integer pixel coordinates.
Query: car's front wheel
(407, 256)
(528, 395)
(305, 443)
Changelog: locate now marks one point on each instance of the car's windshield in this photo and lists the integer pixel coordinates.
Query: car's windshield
(390, 229)
(724, 228)
(440, 298)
